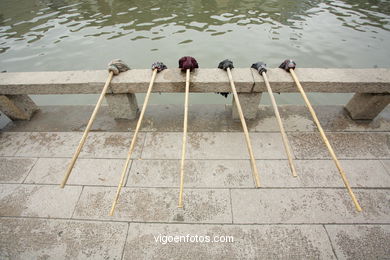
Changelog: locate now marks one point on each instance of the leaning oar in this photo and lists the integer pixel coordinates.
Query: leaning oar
(228, 65)
(115, 67)
(156, 67)
(289, 66)
(261, 68)
(186, 64)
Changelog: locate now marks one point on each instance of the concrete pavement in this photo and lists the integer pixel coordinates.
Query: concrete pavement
(308, 217)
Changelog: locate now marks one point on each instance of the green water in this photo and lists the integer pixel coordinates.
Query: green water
(78, 35)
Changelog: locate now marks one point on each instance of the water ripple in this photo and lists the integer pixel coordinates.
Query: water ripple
(153, 26)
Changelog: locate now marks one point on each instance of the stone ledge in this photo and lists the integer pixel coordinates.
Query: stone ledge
(202, 80)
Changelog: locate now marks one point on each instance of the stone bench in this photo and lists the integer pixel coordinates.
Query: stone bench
(371, 87)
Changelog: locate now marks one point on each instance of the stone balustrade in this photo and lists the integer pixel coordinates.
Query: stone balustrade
(372, 87)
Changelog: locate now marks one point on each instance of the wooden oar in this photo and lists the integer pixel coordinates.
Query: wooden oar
(118, 66)
(183, 150)
(245, 128)
(228, 65)
(281, 127)
(186, 64)
(157, 67)
(289, 65)
(261, 68)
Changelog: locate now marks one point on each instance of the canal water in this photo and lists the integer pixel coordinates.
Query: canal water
(51, 35)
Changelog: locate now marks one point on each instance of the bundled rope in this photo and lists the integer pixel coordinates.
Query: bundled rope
(186, 64)
(156, 67)
(289, 66)
(114, 68)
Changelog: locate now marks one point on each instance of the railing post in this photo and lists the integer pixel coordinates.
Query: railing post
(17, 107)
(366, 106)
(122, 106)
(249, 103)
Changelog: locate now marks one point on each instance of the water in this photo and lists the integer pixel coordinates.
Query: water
(78, 35)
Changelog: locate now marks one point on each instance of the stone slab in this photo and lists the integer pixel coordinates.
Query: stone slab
(294, 118)
(249, 103)
(213, 146)
(198, 173)
(64, 144)
(10, 143)
(304, 206)
(15, 170)
(249, 242)
(38, 200)
(386, 164)
(48, 144)
(273, 173)
(360, 241)
(323, 173)
(335, 118)
(155, 205)
(202, 80)
(60, 239)
(112, 145)
(101, 172)
(201, 118)
(345, 145)
(162, 118)
(325, 80)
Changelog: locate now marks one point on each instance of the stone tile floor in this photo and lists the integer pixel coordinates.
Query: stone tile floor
(308, 217)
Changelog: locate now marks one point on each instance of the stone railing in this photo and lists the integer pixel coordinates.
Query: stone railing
(371, 87)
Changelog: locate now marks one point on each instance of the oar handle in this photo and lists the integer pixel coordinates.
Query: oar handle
(286, 143)
(184, 143)
(132, 145)
(245, 128)
(326, 141)
(86, 131)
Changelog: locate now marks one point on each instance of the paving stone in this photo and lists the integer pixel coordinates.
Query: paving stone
(386, 164)
(336, 118)
(309, 206)
(345, 145)
(169, 118)
(37, 200)
(103, 172)
(15, 170)
(249, 242)
(323, 173)
(155, 205)
(360, 241)
(50, 144)
(163, 118)
(201, 118)
(10, 143)
(198, 173)
(60, 239)
(294, 118)
(98, 145)
(111, 145)
(213, 146)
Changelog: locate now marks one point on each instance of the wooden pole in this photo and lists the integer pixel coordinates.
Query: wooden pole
(326, 141)
(287, 146)
(126, 166)
(183, 150)
(244, 126)
(86, 131)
